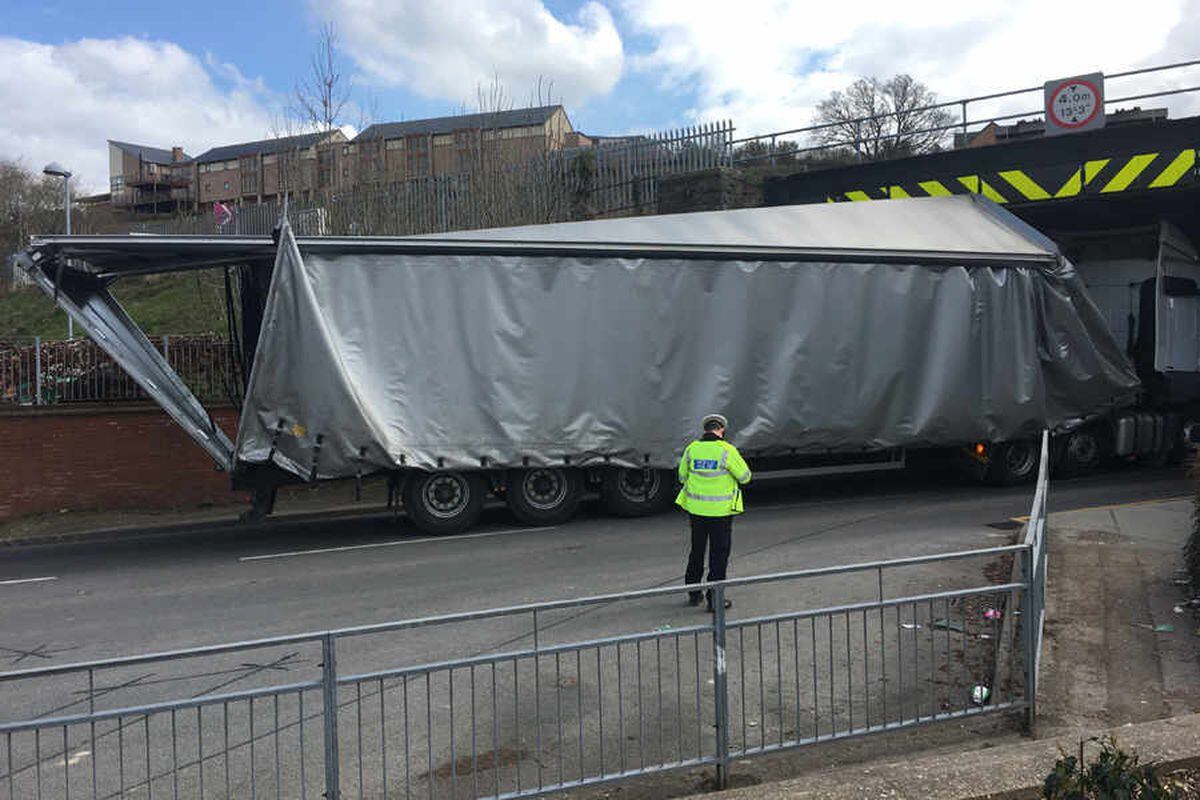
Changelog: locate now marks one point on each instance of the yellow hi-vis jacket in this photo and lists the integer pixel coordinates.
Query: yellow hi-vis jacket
(711, 473)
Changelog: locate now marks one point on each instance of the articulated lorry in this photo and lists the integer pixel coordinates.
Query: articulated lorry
(539, 363)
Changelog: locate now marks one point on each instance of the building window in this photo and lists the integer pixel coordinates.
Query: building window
(248, 167)
(395, 144)
(226, 186)
(288, 166)
(117, 182)
(325, 167)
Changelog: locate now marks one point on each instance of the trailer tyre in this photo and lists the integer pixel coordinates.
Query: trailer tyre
(1012, 463)
(637, 492)
(443, 503)
(543, 495)
(1084, 451)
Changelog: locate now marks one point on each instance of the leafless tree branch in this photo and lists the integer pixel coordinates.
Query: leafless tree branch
(882, 119)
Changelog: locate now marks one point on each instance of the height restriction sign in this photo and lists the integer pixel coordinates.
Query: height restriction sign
(1075, 104)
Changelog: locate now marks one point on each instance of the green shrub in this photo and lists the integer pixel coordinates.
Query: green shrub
(1113, 775)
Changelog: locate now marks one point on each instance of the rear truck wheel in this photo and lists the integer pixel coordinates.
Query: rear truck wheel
(1012, 463)
(543, 495)
(443, 503)
(1084, 451)
(637, 492)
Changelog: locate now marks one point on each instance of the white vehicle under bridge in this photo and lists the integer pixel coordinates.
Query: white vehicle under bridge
(539, 363)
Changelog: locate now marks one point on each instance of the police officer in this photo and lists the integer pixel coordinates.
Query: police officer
(712, 472)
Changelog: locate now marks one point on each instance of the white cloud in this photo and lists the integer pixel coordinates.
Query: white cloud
(61, 102)
(767, 63)
(448, 49)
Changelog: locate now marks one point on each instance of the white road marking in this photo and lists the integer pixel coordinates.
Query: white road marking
(395, 543)
(15, 581)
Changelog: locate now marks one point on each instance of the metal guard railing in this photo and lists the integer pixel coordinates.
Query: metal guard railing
(789, 144)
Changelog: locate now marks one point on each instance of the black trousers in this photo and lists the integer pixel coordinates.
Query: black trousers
(716, 535)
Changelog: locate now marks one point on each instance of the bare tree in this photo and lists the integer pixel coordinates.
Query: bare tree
(29, 204)
(316, 105)
(323, 95)
(883, 119)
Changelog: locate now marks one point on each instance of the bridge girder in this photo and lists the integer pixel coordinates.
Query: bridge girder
(1115, 177)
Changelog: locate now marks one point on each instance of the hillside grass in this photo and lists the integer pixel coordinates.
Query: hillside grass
(180, 303)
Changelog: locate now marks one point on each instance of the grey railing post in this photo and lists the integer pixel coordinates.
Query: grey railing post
(1029, 615)
(329, 704)
(720, 687)
(37, 370)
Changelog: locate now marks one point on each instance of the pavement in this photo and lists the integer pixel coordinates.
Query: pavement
(1012, 771)
(1120, 644)
(322, 502)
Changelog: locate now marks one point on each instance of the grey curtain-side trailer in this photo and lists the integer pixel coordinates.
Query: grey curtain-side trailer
(537, 363)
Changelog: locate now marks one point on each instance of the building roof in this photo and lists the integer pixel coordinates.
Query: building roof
(231, 151)
(156, 155)
(514, 118)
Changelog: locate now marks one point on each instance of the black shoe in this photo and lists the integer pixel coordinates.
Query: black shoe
(694, 598)
(728, 605)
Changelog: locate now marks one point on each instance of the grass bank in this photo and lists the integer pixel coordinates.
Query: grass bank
(182, 303)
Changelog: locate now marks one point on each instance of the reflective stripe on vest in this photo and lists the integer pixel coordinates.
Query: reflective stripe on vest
(710, 498)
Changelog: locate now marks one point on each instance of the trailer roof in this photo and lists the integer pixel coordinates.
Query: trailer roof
(959, 224)
(963, 228)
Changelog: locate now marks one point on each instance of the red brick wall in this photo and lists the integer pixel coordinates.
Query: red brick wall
(105, 458)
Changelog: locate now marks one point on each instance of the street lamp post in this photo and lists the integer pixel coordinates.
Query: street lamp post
(58, 170)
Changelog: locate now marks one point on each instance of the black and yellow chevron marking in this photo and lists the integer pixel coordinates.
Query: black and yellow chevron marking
(1098, 177)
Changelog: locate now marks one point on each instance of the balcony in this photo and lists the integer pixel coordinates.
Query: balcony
(162, 198)
(158, 180)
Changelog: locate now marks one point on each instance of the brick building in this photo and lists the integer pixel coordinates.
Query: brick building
(148, 180)
(145, 179)
(257, 172)
(396, 151)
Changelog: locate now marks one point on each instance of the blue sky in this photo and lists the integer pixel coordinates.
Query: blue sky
(158, 74)
(242, 39)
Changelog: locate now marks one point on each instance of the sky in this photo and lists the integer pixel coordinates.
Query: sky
(76, 74)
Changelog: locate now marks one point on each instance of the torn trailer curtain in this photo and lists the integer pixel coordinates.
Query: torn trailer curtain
(541, 350)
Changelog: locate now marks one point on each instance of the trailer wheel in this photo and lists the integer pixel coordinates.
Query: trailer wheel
(443, 503)
(543, 495)
(1084, 451)
(637, 492)
(1012, 463)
